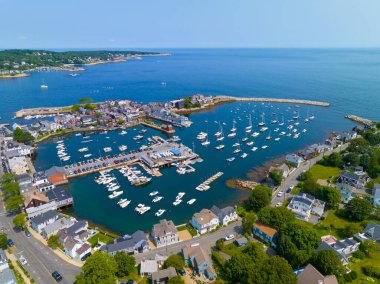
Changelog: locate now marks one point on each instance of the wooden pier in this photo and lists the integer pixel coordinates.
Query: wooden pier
(204, 186)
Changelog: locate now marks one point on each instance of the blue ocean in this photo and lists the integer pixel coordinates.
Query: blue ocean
(348, 79)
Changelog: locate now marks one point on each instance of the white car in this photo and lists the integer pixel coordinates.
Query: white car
(280, 193)
(23, 260)
(98, 246)
(230, 237)
(279, 204)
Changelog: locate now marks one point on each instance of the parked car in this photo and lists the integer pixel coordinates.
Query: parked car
(279, 204)
(27, 233)
(57, 276)
(10, 243)
(23, 260)
(230, 237)
(87, 255)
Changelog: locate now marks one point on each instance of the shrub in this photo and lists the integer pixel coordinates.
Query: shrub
(371, 271)
(359, 254)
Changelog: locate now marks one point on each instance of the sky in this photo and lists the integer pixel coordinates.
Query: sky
(189, 23)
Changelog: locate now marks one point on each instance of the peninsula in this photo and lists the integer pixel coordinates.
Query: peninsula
(14, 63)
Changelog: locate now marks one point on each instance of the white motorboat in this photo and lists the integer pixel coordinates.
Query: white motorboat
(87, 155)
(250, 143)
(244, 155)
(177, 202)
(236, 144)
(180, 195)
(304, 130)
(125, 203)
(254, 149)
(277, 139)
(123, 132)
(262, 123)
(221, 138)
(191, 201)
(122, 147)
(201, 136)
(231, 159)
(255, 134)
(115, 194)
(282, 133)
(113, 188)
(231, 135)
(160, 212)
(122, 200)
(296, 135)
(205, 143)
(236, 151)
(244, 139)
(107, 149)
(85, 149)
(157, 199)
(263, 129)
(219, 147)
(264, 147)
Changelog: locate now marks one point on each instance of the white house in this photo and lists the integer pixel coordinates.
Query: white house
(303, 205)
(294, 158)
(41, 221)
(204, 221)
(164, 233)
(376, 195)
(225, 215)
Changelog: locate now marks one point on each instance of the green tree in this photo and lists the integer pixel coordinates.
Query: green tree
(11, 188)
(239, 268)
(22, 136)
(219, 244)
(369, 247)
(327, 262)
(276, 175)
(14, 202)
(358, 209)
(53, 241)
(330, 195)
(352, 159)
(176, 280)
(7, 178)
(3, 241)
(248, 220)
(98, 268)
(188, 103)
(176, 261)
(19, 220)
(256, 252)
(86, 100)
(276, 217)
(351, 229)
(125, 264)
(260, 197)
(274, 270)
(74, 108)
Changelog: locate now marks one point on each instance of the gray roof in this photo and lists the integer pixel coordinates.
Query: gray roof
(304, 198)
(242, 241)
(76, 228)
(164, 227)
(24, 178)
(372, 231)
(57, 225)
(127, 242)
(222, 212)
(326, 246)
(58, 194)
(42, 218)
(164, 274)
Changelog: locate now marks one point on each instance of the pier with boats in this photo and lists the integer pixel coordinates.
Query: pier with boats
(204, 186)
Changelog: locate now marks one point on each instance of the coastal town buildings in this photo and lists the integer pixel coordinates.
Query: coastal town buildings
(205, 221)
(225, 215)
(310, 275)
(6, 274)
(164, 233)
(199, 259)
(130, 244)
(265, 233)
(304, 205)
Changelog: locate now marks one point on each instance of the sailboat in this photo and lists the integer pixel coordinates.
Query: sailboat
(44, 86)
(268, 137)
(233, 129)
(262, 123)
(249, 127)
(282, 123)
(219, 133)
(274, 121)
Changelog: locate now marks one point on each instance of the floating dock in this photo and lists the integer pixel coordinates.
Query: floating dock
(204, 186)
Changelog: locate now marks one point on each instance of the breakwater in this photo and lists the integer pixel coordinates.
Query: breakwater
(360, 120)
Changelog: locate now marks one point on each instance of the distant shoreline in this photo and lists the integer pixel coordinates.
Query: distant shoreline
(10, 76)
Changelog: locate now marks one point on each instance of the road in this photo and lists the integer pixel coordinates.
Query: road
(42, 261)
(205, 240)
(291, 180)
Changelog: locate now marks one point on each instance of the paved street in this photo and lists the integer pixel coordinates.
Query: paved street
(42, 261)
(206, 240)
(291, 180)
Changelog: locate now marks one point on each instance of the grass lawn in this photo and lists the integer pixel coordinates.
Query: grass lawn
(332, 225)
(101, 237)
(322, 172)
(193, 232)
(295, 190)
(231, 249)
(357, 264)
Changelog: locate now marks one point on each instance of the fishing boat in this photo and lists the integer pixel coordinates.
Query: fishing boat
(233, 129)
(219, 147)
(244, 155)
(160, 212)
(115, 194)
(250, 143)
(263, 129)
(231, 159)
(191, 201)
(107, 149)
(157, 199)
(231, 135)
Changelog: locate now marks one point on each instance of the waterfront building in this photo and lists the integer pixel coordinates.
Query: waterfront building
(35, 211)
(303, 205)
(294, 159)
(34, 199)
(26, 183)
(310, 275)
(205, 221)
(6, 274)
(199, 259)
(165, 233)
(130, 244)
(163, 276)
(41, 221)
(60, 195)
(265, 232)
(56, 175)
(225, 215)
(18, 165)
(41, 183)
